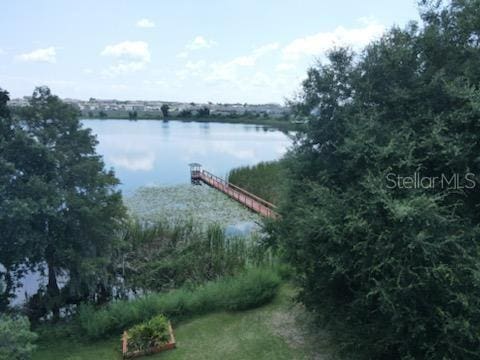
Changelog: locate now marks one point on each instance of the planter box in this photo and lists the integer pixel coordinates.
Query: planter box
(171, 344)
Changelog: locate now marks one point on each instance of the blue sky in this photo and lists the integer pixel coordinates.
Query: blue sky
(219, 51)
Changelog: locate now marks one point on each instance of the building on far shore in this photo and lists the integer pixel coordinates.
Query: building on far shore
(175, 108)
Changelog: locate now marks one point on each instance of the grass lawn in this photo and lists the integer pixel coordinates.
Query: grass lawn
(269, 332)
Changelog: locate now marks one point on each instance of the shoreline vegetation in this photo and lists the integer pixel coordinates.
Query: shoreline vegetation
(280, 123)
(265, 179)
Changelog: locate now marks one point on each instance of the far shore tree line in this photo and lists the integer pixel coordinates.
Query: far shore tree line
(165, 113)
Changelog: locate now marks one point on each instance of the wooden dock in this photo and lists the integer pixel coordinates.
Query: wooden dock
(244, 197)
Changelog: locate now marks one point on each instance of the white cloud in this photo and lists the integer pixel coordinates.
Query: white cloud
(131, 56)
(145, 23)
(2, 51)
(227, 71)
(260, 80)
(40, 55)
(321, 42)
(200, 43)
(243, 75)
(243, 61)
(129, 49)
(191, 69)
(87, 71)
(264, 49)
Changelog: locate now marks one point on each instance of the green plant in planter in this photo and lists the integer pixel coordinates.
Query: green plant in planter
(150, 334)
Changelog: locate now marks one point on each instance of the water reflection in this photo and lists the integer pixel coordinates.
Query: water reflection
(148, 152)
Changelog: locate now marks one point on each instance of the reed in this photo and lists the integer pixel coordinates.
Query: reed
(164, 255)
(263, 179)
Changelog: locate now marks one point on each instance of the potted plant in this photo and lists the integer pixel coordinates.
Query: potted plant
(149, 337)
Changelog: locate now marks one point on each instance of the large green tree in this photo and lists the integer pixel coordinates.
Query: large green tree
(396, 268)
(75, 207)
(22, 195)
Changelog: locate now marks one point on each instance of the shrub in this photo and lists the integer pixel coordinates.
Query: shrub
(16, 339)
(152, 333)
(249, 289)
(395, 268)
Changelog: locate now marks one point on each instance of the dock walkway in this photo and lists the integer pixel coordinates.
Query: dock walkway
(244, 197)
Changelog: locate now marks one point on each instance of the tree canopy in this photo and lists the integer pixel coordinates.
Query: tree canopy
(397, 269)
(60, 207)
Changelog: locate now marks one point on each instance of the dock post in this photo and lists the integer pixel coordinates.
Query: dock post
(195, 173)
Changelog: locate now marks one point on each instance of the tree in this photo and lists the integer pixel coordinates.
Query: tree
(395, 269)
(132, 115)
(76, 223)
(22, 195)
(185, 113)
(165, 109)
(102, 114)
(203, 112)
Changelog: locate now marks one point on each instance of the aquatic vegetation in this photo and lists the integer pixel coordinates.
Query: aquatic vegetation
(200, 203)
(265, 179)
(160, 256)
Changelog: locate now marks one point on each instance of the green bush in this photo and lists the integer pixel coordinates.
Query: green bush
(16, 339)
(393, 268)
(152, 333)
(249, 289)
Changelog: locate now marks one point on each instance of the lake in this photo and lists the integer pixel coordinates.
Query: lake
(152, 152)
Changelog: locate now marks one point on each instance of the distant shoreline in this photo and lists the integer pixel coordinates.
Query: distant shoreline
(280, 124)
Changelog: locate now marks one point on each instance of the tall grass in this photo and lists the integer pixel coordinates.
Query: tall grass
(249, 289)
(162, 255)
(263, 179)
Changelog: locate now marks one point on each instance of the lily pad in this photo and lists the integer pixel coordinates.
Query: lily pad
(199, 202)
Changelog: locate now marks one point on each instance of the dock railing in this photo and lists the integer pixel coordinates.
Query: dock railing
(243, 196)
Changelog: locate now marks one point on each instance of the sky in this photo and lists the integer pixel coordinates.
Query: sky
(184, 50)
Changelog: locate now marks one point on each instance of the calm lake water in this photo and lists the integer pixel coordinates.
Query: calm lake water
(149, 152)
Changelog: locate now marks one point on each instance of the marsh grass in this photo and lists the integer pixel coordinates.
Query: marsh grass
(163, 255)
(263, 179)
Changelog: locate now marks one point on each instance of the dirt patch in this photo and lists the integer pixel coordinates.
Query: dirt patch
(293, 324)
